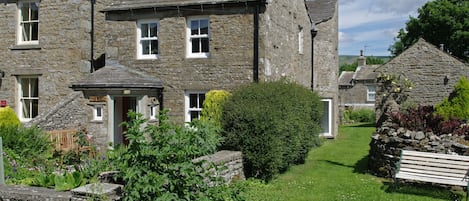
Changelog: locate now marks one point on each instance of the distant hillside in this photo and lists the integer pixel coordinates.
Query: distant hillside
(348, 59)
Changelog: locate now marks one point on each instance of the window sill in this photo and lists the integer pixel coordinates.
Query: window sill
(26, 47)
(97, 121)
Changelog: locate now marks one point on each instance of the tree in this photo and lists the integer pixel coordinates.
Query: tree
(439, 22)
(369, 61)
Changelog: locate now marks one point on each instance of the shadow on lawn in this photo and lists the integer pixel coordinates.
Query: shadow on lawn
(361, 166)
(422, 189)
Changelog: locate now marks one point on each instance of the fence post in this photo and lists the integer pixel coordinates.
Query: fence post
(2, 170)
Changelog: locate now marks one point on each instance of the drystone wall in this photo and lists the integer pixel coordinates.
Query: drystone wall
(229, 164)
(387, 143)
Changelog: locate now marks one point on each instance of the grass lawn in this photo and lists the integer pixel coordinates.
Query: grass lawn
(338, 171)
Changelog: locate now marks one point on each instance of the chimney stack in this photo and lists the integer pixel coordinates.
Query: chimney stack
(361, 59)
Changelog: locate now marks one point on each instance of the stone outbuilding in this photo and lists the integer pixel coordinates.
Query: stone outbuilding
(431, 71)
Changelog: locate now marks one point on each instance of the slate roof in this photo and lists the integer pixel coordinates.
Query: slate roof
(140, 4)
(345, 78)
(321, 10)
(117, 76)
(366, 73)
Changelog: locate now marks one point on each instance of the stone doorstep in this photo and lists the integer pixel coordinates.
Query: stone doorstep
(98, 189)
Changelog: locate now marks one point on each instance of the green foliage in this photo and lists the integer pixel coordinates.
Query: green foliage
(8, 117)
(157, 163)
(213, 104)
(438, 22)
(457, 104)
(371, 60)
(274, 124)
(68, 181)
(359, 115)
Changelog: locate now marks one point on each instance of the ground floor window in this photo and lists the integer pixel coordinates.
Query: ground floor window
(193, 104)
(98, 113)
(28, 90)
(326, 120)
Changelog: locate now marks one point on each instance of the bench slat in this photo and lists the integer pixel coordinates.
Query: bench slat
(435, 160)
(436, 165)
(426, 172)
(435, 155)
(424, 178)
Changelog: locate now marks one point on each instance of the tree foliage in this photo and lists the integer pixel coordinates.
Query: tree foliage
(457, 105)
(213, 104)
(439, 22)
(353, 66)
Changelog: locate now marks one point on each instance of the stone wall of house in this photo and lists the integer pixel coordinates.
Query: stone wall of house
(432, 72)
(388, 141)
(62, 55)
(283, 25)
(356, 96)
(229, 64)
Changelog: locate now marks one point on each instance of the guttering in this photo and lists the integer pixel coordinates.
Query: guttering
(256, 43)
(92, 37)
(314, 32)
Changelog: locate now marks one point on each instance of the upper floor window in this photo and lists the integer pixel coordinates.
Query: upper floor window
(371, 93)
(194, 104)
(198, 35)
(147, 36)
(28, 22)
(28, 90)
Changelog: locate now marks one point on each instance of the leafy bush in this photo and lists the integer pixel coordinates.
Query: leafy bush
(8, 117)
(274, 124)
(157, 164)
(213, 104)
(359, 115)
(27, 142)
(457, 104)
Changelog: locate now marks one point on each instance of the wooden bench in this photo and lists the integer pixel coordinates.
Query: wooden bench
(433, 168)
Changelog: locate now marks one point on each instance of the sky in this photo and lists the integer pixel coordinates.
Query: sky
(372, 25)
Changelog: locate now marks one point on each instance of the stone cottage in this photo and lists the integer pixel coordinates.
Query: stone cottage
(357, 89)
(158, 54)
(432, 72)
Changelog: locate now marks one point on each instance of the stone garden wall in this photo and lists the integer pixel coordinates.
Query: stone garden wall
(387, 143)
(229, 164)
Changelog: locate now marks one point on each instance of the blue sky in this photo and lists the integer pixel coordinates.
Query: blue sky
(372, 25)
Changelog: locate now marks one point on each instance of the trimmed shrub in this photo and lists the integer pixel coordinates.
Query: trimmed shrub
(274, 124)
(8, 117)
(457, 104)
(362, 115)
(213, 104)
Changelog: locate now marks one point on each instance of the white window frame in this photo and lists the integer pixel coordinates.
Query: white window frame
(370, 94)
(98, 116)
(189, 37)
(21, 105)
(187, 107)
(153, 112)
(327, 132)
(301, 41)
(20, 32)
(140, 54)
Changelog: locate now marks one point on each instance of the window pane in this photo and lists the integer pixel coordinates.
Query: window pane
(195, 27)
(153, 30)
(26, 30)
(203, 26)
(195, 45)
(35, 110)
(26, 108)
(201, 100)
(25, 11)
(98, 111)
(154, 47)
(205, 45)
(194, 115)
(34, 31)
(193, 101)
(145, 47)
(34, 87)
(25, 87)
(34, 11)
(144, 30)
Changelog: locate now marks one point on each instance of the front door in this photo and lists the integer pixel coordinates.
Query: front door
(122, 105)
